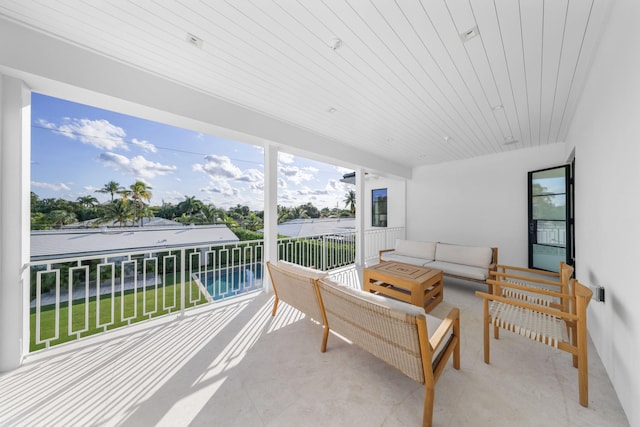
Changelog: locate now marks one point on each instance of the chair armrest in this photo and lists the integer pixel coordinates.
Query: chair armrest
(528, 270)
(540, 291)
(498, 274)
(447, 323)
(383, 251)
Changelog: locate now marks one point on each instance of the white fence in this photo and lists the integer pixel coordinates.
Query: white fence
(75, 297)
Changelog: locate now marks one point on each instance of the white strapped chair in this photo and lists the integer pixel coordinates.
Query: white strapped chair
(558, 317)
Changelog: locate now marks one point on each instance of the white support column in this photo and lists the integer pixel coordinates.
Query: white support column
(360, 224)
(15, 145)
(270, 210)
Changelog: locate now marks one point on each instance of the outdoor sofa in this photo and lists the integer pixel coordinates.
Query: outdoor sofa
(402, 335)
(472, 263)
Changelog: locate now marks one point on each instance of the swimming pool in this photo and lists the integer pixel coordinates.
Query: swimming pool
(227, 282)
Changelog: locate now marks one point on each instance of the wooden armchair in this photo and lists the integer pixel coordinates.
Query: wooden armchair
(554, 317)
(545, 284)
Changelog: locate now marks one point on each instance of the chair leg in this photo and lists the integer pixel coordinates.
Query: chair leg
(456, 350)
(427, 415)
(486, 331)
(275, 307)
(573, 333)
(583, 367)
(325, 337)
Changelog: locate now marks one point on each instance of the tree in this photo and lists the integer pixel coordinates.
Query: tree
(139, 192)
(85, 207)
(87, 201)
(119, 211)
(350, 201)
(190, 205)
(60, 217)
(112, 188)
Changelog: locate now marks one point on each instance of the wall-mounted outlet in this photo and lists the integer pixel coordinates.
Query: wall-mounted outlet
(598, 293)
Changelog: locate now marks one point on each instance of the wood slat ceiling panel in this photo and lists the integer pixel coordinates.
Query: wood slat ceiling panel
(401, 83)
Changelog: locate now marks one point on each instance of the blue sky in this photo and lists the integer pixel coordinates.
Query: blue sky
(76, 149)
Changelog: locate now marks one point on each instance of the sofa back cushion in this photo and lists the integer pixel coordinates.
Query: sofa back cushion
(306, 272)
(415, 249)
(467, 255)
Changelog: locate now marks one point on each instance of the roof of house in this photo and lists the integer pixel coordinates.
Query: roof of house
(315, 227)
(146, 222)
(69, 243)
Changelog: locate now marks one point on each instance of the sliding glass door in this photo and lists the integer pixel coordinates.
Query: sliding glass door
(550, 220)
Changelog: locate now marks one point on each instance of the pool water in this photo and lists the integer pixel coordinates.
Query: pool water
(226, 282)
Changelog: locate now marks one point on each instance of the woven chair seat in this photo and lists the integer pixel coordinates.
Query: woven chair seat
(532, 297)
(537, 326)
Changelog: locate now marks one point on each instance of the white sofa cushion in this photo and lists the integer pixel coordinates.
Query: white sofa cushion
(467, 255)
(412, 248)
(477, 273)
(393, 256)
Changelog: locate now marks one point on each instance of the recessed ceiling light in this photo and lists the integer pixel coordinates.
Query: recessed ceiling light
(194, 40)
(331, 110)
(509, 140)
(497, 108)
(447, 139)
(469, 34)
(335, 44)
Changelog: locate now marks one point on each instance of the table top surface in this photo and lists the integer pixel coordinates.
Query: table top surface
(404, 271)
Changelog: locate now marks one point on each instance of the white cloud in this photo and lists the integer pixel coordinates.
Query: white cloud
(145, 145)
(295, 174)
(286, 158)
(54, 187)
(99, 133)
(137, 166)
(311, 169)
(222, 172)
(252, 176)
(306, 191)
(222, 187)
(90, 188)
(334, 185)
(218, 167)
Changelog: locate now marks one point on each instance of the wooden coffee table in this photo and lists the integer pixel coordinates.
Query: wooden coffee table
(420, 286)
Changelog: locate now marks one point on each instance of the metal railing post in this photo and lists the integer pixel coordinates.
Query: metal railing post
(182, 281)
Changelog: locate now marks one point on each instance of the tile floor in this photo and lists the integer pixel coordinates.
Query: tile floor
(235, 365)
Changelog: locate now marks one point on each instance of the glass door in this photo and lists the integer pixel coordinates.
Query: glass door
(549, 218)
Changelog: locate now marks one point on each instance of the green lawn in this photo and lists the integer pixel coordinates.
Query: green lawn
(47, 314)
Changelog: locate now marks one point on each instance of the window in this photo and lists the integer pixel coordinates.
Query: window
(379, 207)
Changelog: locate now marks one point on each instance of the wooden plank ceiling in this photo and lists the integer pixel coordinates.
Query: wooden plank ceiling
(403, 83)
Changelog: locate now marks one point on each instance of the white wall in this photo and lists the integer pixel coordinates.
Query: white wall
(396, 197)
(480, 201)
(606, 135)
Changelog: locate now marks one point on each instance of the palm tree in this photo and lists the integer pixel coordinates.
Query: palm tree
(112, 188)
(283, 214)
(190, 205)
(139, 192)
(87, 202)
(299, 212)
(350, 201)
(118, 211)
(60, 217)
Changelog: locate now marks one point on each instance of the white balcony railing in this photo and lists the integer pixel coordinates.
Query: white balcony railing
(75, 297)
